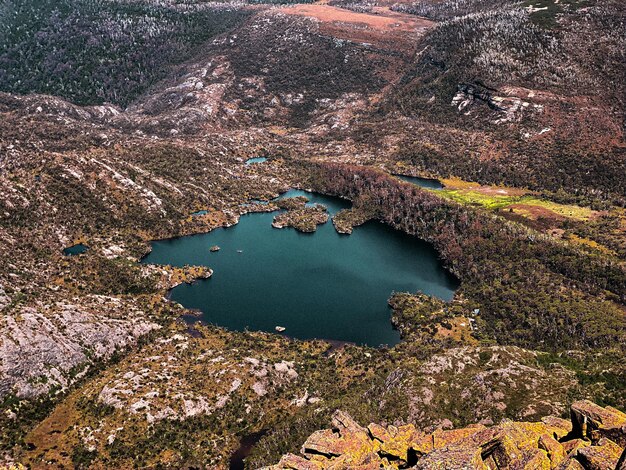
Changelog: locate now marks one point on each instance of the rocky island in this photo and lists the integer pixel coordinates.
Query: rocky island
(303, 220)
(299, 215)
(346, 219)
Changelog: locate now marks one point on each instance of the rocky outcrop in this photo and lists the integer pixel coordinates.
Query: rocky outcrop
(49, 347)
(346, 219)
(592, 440)
(594, 422)
(172, 276)
(178, 378)
(493, 382)
(507, 108)
(305, 219)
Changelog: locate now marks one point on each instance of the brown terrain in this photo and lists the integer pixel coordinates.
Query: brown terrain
(519, 114)
(380, 28)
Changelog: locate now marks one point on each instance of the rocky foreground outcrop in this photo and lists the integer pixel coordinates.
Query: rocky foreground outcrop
(593, 439)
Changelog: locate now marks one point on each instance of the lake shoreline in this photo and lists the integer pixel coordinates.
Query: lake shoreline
(323, 285)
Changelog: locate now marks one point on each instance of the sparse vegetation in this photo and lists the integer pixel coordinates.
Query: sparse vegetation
(519, 111)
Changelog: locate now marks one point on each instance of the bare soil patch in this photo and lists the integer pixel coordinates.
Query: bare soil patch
(380, 28)
(536, 212)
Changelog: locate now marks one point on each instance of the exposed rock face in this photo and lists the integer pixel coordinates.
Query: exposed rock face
(551, 443)
(621, 465)
(49, 347)
(507, 108)
(594, 422)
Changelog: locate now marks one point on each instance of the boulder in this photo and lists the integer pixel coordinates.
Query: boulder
(570, 464)
(603, 456)
(453, 458)
(560, 427)
(405, 443)
(347, 438)
(445, 437)
(554, 449)
(535, 459)
(291, 461)
(621, 464)
(572, 446)
(593, 422)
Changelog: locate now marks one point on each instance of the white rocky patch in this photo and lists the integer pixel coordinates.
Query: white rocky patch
(113, 251)
(4, 298)
(156, 387)
(152, 202)
(41, 347)
(508, 108)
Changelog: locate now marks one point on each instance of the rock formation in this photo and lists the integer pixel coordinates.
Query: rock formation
(300, 216)
(594, 439)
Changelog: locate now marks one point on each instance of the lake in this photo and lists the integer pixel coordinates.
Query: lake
(320, 285)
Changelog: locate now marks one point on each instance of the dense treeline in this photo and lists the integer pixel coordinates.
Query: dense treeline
(94, 51)
(302, 67)
(532, 291)
(448, 9)
(587, 178)
(359, 7)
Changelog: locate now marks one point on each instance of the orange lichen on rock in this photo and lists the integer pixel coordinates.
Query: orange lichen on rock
(552, 443)
(593, 422)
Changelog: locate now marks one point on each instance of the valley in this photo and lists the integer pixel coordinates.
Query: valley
(471, 156)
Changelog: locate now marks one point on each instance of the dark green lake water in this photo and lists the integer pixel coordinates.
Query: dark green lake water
(75, 250)
(426, 183)
(320, 285)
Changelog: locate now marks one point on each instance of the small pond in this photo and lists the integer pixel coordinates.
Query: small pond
(74, 250)
(321, 285)
(427, 183)
(252, 161)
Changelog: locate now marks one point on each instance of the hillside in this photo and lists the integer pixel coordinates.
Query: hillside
(128, 121)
